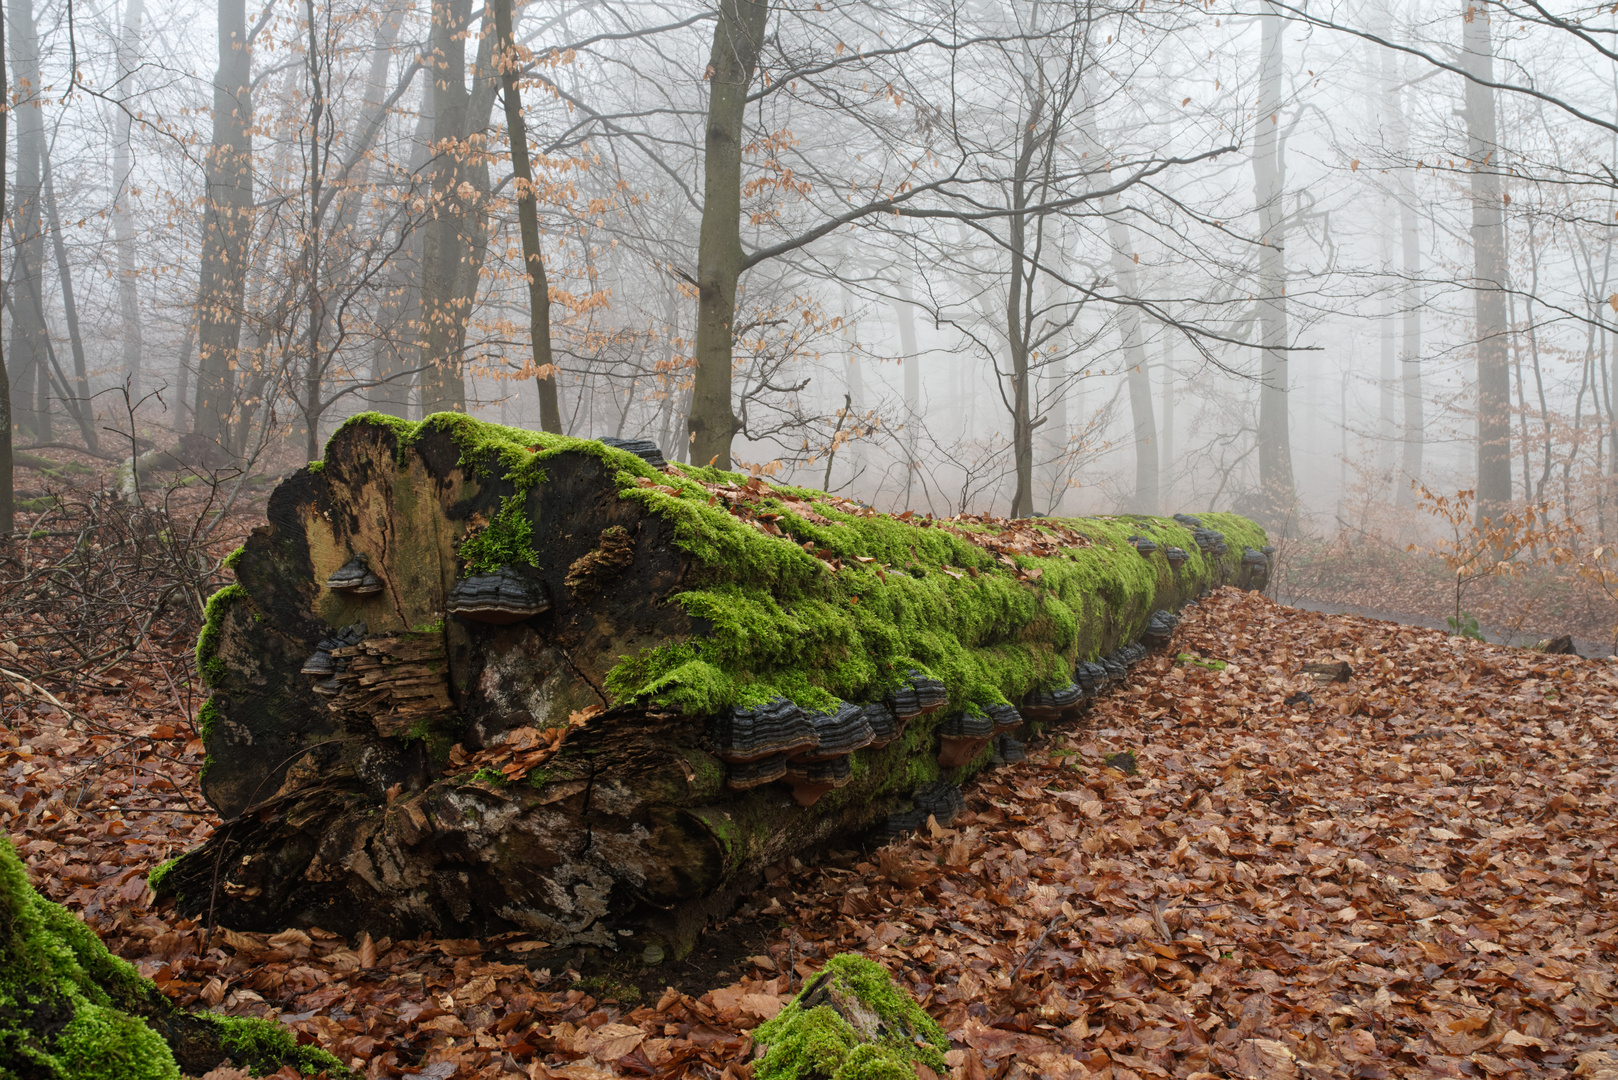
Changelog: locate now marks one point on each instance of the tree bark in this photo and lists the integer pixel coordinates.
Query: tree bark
(1489, 270)
(737, 41)
(353, 811)
(1269, 188)
(227, 232)
(29, 360)
(7, 457)
(123, 219)
(444, 308)
(539, 294)
(79, 405)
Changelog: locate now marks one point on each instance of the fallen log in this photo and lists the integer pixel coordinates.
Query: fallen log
(472, 679)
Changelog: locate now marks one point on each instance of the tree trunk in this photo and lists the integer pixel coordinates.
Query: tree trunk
(123, 220)
(561, 770)
(8, 498)
(443, 313)
(904, 309)
(539, 294)
(400, 307)
(227, 232)
(29, 359)
(1269, 188)
(1141, 408)
(1414, 434)
(738, 38)
(78, 403)
(1489, 270)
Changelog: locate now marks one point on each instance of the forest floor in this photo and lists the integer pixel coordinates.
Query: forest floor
(1373, 574)
(1410, 873)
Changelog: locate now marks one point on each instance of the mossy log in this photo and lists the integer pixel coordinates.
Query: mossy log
(70, 1010)
(473, 679)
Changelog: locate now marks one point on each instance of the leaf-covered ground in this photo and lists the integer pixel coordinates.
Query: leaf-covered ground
(1410, 873)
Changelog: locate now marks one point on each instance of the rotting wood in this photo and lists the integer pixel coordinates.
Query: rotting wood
(712, 674)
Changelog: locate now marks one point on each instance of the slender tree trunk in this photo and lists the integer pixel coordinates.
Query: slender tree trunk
(1489, 269)
(315, 63)
(1410, 295)
(123, 220)
(738, 38)
(1269, 186)
(31, 377)
(1387, 428)
(443, 313)
(539, 297)
(79, 406)
(1165, 464)
(904, 309)
(401, 305)
(227, 232)
(1141, 407)
(7, 462)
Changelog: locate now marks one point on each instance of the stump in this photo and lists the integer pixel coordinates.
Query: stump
(472, 679)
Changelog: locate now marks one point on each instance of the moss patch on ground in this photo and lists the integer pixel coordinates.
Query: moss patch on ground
(70, 1010)
(844, 602)
(850, 1022)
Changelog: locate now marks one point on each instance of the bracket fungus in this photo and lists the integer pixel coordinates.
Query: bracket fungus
(645, 449)
(500, 598)
(961, 736)
(355, 577)
(1050, 705)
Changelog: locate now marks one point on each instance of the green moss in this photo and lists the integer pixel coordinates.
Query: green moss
(208, 641)
(507, 540)
(208, 715)
(233, 558)
(263, 1047)
(1211, 665)
(316, 466)
(437, 735)
(70, 1010)
(489, 775)
(159, 873)
(779, 621)
(817, 1042)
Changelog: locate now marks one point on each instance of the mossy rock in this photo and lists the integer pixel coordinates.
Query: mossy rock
(850, 1022)
(70, 1010)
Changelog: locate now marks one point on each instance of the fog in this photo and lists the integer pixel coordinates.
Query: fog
(1297, 260)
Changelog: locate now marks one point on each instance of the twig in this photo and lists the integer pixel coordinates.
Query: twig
(1059, 917)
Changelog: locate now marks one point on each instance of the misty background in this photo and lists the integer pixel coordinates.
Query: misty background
(1295, 260)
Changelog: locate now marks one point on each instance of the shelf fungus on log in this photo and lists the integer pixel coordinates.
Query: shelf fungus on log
(707, 674)
(645, 449)
(885, 727)
(810, 780)
(1048, 706)
(1176, 556)
(501, 597)
(961, 737)
(1160, 627)
(355, 577)
(1143, 545)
